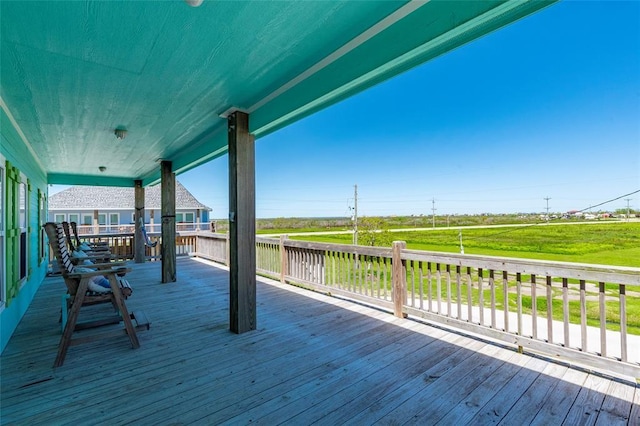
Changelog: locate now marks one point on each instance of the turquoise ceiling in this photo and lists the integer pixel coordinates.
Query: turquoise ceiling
(73, 71)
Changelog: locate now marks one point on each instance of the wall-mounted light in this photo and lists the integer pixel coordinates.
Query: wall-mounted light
(120, 133)
(102, 168)
(193, 3)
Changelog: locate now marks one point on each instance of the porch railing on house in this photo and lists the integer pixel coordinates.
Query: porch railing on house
(575, 312)
(151, 228)
(121, 245)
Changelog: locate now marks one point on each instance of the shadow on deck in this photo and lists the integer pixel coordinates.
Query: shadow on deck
(313, 358)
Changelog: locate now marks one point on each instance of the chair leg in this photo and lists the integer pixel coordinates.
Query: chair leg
(64, 311)
(128, 325)
(70, 326)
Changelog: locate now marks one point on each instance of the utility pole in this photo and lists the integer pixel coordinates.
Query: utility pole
(547, 200)
(355, 215)
(433, 210)
(627, 200)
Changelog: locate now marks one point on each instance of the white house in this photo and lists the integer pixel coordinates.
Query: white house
(111, 209)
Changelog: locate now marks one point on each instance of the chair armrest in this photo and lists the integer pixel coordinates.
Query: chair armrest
(75, 260)
(108, 265)
(98, 272)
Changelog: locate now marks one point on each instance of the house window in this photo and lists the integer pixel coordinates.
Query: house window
(188, 217)
(114, 219)
(41, 220)
(23, 214)
(2, 231)
(59, 218)
(87, 219)
(102, 219)
(179, 218)
(73, 217)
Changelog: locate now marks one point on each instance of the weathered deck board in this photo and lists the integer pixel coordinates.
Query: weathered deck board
(312, 358)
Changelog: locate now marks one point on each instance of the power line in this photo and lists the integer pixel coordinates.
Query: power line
(540, 223)
(613, 199)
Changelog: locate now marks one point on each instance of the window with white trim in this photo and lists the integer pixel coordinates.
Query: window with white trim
(23, 216)
(74, 217)
(42, 218)
(59, 217)
(114, 219)
(2, 231)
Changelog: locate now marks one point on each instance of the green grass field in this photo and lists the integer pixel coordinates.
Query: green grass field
(607, 244)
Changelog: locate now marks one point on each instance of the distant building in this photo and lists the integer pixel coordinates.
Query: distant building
(112, 209)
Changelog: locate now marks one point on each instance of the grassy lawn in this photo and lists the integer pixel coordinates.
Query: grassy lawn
(606, 244)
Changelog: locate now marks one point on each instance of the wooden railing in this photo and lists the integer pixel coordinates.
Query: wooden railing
(576, 312)
(86, 230)
(121, 245)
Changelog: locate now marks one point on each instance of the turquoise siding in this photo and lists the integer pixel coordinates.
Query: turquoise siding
(18, 154)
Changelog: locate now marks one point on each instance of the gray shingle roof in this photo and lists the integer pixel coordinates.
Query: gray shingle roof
(117, 198)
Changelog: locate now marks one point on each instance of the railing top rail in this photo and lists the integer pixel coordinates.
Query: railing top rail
(204, 234)
(344, 248)
(585, 271)
(107, 235)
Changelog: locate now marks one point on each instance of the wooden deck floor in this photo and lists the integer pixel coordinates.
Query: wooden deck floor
(312, 359)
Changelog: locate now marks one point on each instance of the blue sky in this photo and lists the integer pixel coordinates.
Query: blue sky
(546, 107)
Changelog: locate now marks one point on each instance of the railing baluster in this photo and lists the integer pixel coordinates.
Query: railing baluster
(439, 287)
(378, 268)
(352, 272)
(505, 295)
(623, 324)
(459, 291)
(549, 310)
(534, 307)
(448, 290)
(341, 274)
(469, 295)
(413, 282)
(583, 316)
(359, 263)
(421, 283)
(519, 301)
(368, 276)
(492, 286)
(387, 271)
(481, 295)
(603, 319)
(565, 311)
(429, 294)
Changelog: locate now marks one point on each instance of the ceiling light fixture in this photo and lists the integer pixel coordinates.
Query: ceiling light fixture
(121, 133)
(193, 3)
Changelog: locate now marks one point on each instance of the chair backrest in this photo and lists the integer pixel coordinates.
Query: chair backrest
(74, 228)
(55, 233)
(67, 235)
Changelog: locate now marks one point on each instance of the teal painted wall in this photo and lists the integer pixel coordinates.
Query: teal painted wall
(18, 154)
